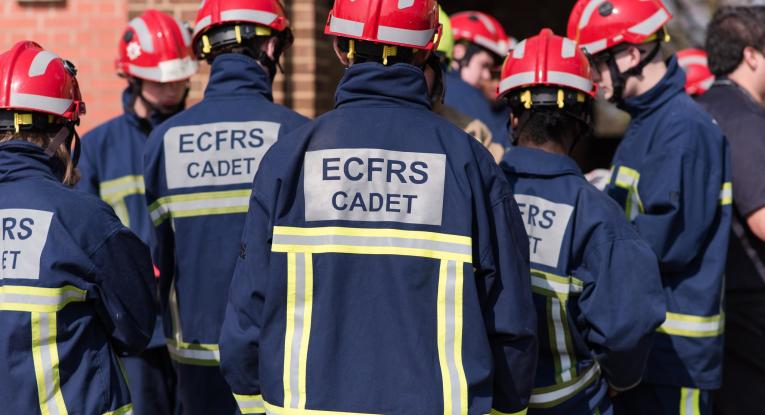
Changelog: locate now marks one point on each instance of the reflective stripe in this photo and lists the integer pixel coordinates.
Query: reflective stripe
(200, 204)
(202, 24)
(117, 189)
(553, 395)
(40, 63)
(144, 35)
(45, 357)
(278, 410)
(560, 340)
(40, 103)
(692, 60)
(184, 32)
(514, 81)
(500, 48)
(568, 48)
(38, 300)
(247, 15)
(346, 27)
(299, 309)
(372, 242)
(588, 11)
(250, 404)
(125, 410)
(692, 326)
(629, 179)
(496, 412)
(450, 285)
(570, 80)
(726, 194)
(689, 401)
(519, 50)
(167, 71)
(544, 283)
(197, 354)
(405, 36)
(651, 24)
(595, 47)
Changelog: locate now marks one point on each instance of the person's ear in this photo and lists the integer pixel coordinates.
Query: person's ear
(635, 55)
(514, 121)
(342, 56)
(750, 58)
(270, 47)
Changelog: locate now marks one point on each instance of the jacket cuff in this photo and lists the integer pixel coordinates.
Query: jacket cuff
(250, 404)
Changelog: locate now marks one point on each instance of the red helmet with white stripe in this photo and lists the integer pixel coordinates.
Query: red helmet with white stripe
(408, 23)
(598, 25)
(546, 60)
(482, 30)
(35, 80)
(698, 77)
(156, 47)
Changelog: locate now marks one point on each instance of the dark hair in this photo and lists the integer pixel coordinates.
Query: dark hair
(548, 125)
(731, 30)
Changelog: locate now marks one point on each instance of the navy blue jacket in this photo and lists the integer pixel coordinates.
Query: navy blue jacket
(672, 175)
(75, 289)
(467, 99)
(384, 267)
(199, 167)
(596, 282)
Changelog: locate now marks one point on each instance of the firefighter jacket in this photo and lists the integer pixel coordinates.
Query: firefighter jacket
(384, 268)
(672, 176)
(75, 290)
(471, 101)
(597, 286)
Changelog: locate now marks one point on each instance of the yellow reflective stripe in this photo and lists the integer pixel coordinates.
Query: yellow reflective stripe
(458, 327)
(46, 362)
(449, 320)
(628, 179)
(560, 340)
(726, 194)
(278, 410)
(37, 299)
(125, 410)
(306, 332)
(497, 412)
(117, 189)
(198, 354)
(290, 329)
(363, 241)
(550, 396)
(689, 401)
(250, 404)
(551, 285)
(200, 204)
(693, 326)
(297, 336)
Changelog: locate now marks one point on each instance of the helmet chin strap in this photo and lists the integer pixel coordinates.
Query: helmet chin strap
(619, 78)
(136, 89)
(67, 133)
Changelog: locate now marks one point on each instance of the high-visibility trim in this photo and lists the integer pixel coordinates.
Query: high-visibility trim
(278, 410)
(250, 404)
(519, 50)
(568, 48)
(588, 11)
(40, 102)
(569, 80)
(628, 179)
(449, 320)
(726, 194)
(689, 401)
(166, 71)
(550, 396)
(40, 63)
(37, 299)
(692, 60)
(339, 26)
(46, 362)
(595, 47)
(202, 24)
(560, 340)
(693, 326)
(551, 285)
(197, 354)
(144, 35)
(118, 189)
(500, 48)
(246, 15)
(497, 412)
(365, 241)
(650, 25)
(200, 204)
(419, 38)
(297, 335)
(124, 410)
(514, 81)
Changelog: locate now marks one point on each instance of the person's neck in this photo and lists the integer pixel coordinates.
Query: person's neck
(652, 75)
(548, 146)
(140, 109)
(746, 80)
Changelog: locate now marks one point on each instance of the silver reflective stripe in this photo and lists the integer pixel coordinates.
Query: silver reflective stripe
(250, 404)
(346, 27)
(46, 363)
(144, 35)
(40, 102)
(412, 243)
(40, 63)
(570, 80)
(167, 71)
(588, 11)
(558, 316)
(565, 390)
(202, 24)
(523, 78)
(299, 321)
(692, 60)
(519, 50)
(568, 48)
(184, 32)
(652, 24)
(54, 302)
(193, 354)
(500, 48)
(451, 334)
(178, 208)
(405, 36)
(595, 47)
(245, 15)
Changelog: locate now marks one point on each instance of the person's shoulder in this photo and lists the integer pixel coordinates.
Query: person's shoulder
(103, 131)
(687, 126)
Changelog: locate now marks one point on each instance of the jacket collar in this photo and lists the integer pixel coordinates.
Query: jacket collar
(535, 162)
(373, 84)
(670, 85)
(237, 74)
(143, 124)
(21, 160)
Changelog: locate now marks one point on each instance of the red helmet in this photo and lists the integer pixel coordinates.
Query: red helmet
(407, 23)
(37, 80)
(597, 25)
(156, 47)
(481, 29)
(266, 13)
(698, 77)
(546, 60)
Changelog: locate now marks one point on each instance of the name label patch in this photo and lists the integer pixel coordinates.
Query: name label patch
(24, 234)
(374, 185)
(546, 223)
(216, 154)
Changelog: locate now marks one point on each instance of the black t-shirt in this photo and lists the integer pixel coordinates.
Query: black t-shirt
(743, 121)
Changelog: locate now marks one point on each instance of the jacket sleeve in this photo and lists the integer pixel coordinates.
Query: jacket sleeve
(88, 169)
(680, 192)
(240, 333)
(125, 281)
(622, 304)
(503, 274)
